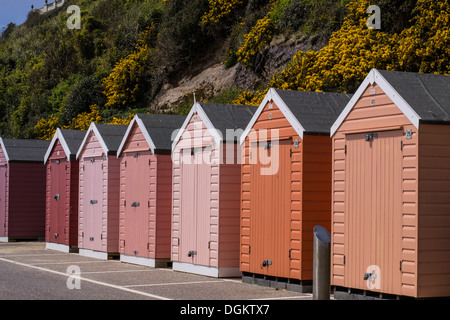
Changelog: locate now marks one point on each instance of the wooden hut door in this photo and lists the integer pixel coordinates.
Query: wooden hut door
(57, 201)
(270, 209)
(137, 204)
(195, 208)
(93, 200)
(3, 201)
(373, 211)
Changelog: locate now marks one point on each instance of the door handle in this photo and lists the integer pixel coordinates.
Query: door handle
(94, 201)
(57, 196)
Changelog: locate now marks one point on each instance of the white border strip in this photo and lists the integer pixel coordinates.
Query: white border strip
(205, 270)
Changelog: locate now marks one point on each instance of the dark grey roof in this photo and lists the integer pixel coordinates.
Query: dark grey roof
(26, 150)
(160, 127)
(427, 94)
(112, 135)
(315, 111)
(225, 116)
(73, 138)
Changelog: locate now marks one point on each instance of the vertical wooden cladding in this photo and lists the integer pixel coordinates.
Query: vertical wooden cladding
(195, 199)
(145, 180)
(99, 188)
(279, 211)
(433, 234)
(22, 190)
(61, 197)
(375, 197)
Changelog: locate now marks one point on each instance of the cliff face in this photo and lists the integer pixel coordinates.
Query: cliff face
(211, 81)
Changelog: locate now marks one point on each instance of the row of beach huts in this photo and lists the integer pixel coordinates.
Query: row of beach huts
(236, 191)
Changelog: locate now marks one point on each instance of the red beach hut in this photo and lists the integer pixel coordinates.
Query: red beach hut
(99, 171)
(22, 189)
(61, 223)
(146, 189)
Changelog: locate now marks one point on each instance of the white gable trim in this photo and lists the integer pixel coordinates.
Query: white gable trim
(375, 77)
(93, 128)
(4, 149)
(273, 95)
(197, 108)
(57, 136)
(144, 131)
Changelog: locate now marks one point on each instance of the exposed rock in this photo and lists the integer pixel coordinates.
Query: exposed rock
(216, 78)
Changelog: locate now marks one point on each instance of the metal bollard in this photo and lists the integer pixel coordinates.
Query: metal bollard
(321, 264)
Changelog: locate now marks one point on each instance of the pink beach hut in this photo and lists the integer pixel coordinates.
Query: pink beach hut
(98, 214)
(145, 189)
(206, 190)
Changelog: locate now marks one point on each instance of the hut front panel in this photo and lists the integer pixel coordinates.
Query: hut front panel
(374, 113)
(137, 176)
(91, 203)
(255, 190)
(26, 200)
(195, 201)
(57, 203)
(3, 200)
(434, 207)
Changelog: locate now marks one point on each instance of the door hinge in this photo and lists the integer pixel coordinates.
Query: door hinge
(345, 149)
(124, 203)
(343, 260)
(401, 265)
(148, 246)
(401, 144)
(209, 244)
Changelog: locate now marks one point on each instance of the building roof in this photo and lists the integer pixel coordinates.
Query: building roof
(421, 97)
(109, 136)
(158, 130)
(24, 150)
(307, 112)
(220, 117)
(427, 94)
(69, 139)
(316, 111)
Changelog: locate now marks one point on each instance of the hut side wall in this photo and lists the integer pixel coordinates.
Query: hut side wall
(163, 185)
(111, 192)
(316, 194)
(229, 206)
(434, 207)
